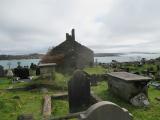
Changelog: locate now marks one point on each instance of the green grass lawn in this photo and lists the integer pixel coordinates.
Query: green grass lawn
(31, 101)
(26, 103)
(95, 70)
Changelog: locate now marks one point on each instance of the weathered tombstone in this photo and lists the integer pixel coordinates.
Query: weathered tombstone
(22, 73)
(1, 71)
(127, 85)
(78, 90)
(47, 107)
(33, 66)
(47, 71)
(106, 111)
(37, 71)
(9, 73)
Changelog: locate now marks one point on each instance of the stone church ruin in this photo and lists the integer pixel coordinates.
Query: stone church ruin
(69, 55)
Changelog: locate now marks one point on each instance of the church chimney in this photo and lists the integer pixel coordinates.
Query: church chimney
(73, 35)
(67, 36)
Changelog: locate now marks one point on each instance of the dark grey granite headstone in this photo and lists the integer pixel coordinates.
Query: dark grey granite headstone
(1, 71)
(23, 73)
(78, 90)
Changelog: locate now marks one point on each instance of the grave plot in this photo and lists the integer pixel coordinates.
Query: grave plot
(47, 71)
(130, 87)
(83, 105)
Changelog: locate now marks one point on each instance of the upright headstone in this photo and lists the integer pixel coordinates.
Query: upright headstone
(23, 73)
(78, 90)
(106, 111)
(9, 73)
(37, 71)
(1, 71)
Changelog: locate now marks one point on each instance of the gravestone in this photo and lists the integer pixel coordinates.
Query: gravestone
(106, 111)
(1, 71)
(22, 73)
(47, 106)
(127, 85)
(78, 90)
(9, 73)
(47, 71)
(37, 71)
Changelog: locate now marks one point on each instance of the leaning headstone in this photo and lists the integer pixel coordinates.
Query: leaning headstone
(1, 71)
(78, 90)
(25, 117)
(106, 111)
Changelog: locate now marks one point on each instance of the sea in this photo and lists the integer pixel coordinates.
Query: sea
(121, 58)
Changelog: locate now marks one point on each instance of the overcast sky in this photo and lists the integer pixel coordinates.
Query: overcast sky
(29, 26)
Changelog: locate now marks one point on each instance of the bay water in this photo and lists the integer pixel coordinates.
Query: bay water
(107, 59)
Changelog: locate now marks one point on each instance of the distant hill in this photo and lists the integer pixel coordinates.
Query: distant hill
(107, 54)
(18, 57)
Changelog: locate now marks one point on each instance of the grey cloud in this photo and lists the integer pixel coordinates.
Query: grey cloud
(104, 25)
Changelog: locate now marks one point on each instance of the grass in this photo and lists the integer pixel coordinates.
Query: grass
(31, 101)
(60, 107)
(13, 104)
(95, 70)
(26, 103)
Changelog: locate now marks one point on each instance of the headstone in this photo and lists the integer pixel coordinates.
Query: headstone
(37, 71)
(10, 73)
(47, 106)
(106, 111)
(127, 85)
(23, 73)
(1, 71)
(78, 90)
(47, 71)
